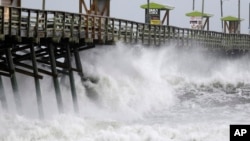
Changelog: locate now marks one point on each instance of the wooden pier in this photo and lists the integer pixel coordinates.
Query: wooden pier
(29, 37)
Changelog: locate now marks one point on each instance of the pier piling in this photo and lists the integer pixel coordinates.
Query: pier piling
(2, 96)
(51, 49)
(37, 82)
(13, 79)
(71, 76)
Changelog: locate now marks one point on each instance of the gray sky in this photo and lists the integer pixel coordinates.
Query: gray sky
(130, 9)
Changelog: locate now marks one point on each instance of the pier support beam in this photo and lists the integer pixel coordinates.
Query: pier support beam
(37, 82)
(2, 96)
(78, 64)
(55, 75)
(13, 80)
(71, 77)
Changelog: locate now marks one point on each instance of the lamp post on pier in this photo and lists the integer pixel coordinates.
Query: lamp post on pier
(148, 16)
(202, 13)
(249, 20)
(239, 16)
(221, 12)
(43, 4)
(193, 5)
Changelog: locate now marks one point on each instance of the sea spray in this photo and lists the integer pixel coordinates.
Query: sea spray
(129, 79)
(142, 93)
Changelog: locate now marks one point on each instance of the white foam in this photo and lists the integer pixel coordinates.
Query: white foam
(157, 94)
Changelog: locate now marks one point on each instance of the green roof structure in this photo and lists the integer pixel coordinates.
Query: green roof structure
(231, 18)
(153, 5)
(198, 14)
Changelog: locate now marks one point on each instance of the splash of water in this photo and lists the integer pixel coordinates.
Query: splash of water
(140, 94)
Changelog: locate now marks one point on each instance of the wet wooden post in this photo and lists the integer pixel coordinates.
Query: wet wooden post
(119, 30)
(143, 33)
(173, 35)
(93, 27)
(2, 96)
(126, 31)
(137, 33)
(155, 34)
(159, 35)
(185, 38)
(149, 34)
(196, 38)
(164, 35)
(107, 26)
(169, 35)
(37, 82)
(13, 80)
(87, 24)
(113, 30)
(200, 37)
(71, 77)
(204, 38)
(178, 36)
(188, 37)
(131, 32)
(182, 37)
(79, 64)
(55, 75)
(193, 38)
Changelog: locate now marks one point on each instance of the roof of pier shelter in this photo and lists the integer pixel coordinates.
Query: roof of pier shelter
(198, 14)
(153, 5)
(231, 18)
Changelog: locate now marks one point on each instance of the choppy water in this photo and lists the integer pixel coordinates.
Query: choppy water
(141, 94)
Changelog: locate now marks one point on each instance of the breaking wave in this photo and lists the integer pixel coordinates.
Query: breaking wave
(139, 93)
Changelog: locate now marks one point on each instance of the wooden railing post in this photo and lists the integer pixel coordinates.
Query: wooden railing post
(159, 35)
(2, 22)
(113, 29)
(119, 30)
(164, 34)
(154, 34)
(149, 34)
(126, 31)
(131, 32)
(137, 33)
(143, 33)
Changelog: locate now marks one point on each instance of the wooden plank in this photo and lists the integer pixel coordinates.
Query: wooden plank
(28, 73)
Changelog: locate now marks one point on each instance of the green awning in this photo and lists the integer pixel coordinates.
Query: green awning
(198, 14)
(231, 18)
(153, 5)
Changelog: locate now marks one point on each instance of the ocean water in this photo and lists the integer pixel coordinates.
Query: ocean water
(138, 94)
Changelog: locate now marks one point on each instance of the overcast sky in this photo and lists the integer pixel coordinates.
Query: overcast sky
(130, 9)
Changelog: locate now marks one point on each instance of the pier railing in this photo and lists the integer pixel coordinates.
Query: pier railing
(22, 22)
